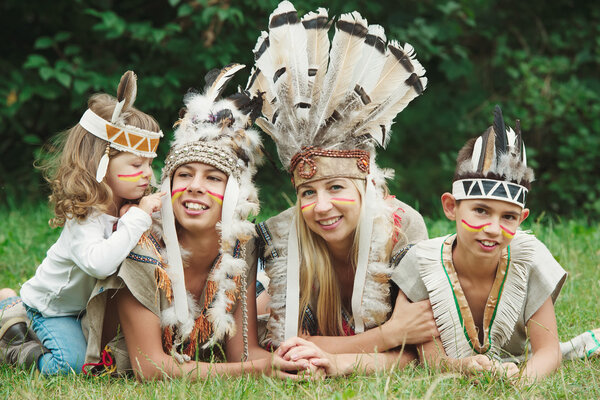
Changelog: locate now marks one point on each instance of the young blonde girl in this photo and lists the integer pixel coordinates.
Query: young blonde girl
(100, 189)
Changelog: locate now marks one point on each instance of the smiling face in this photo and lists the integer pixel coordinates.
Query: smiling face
(484, 227)
(128, 176)
(197, 196)
(331, 209)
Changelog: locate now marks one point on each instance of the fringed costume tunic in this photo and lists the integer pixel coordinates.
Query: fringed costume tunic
(526, 276)
(145, 273)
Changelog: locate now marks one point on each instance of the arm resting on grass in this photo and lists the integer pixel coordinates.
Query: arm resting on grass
(545, 346)
(410, 323)
(143, 337)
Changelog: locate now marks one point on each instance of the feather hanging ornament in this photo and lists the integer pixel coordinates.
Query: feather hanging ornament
(103, 165)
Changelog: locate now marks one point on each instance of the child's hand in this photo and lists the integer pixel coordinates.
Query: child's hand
(476, 364)
(151, 203)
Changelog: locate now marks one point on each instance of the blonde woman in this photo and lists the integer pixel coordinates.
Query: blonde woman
(329, 259)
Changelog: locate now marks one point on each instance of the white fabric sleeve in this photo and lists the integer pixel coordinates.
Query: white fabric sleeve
(100, 257)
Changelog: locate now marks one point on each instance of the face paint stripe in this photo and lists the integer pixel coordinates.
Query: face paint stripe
(132, 177)
(307, 207)
(176, 193)
(342, 201)
(216, 197)
(472, 228)
(506, 233)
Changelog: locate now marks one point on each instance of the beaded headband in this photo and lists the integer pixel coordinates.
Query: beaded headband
(313, 164)
(206, 153)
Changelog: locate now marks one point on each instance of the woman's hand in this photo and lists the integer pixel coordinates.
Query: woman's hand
(298, 350)
(410, 323)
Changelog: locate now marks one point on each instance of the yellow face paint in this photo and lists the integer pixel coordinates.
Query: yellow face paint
(339, 200)
(506, 233)
(216, 197)
(131, 178)
(308, 206)
(472, 228)
(176, 193)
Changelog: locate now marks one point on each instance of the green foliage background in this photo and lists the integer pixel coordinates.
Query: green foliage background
(539, 60)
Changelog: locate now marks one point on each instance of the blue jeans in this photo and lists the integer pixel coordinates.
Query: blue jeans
(64, 338)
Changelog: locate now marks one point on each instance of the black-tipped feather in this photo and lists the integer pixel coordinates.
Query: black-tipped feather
(500, 131)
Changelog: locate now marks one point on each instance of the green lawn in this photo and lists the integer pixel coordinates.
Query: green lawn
(25, 237)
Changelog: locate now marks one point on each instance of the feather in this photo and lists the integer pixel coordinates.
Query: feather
(519, 140)
(288, 37)
(258, 86)
(126, 94)
(248, 105)
(351, 30)
(216, 80)
(501, 140)
(372, 60)
(272, 64)
(384, 113)
(317, 48)
(487, 157)
(476, 155)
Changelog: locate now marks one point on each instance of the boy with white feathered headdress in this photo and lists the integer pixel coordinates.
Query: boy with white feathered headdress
(492, 286)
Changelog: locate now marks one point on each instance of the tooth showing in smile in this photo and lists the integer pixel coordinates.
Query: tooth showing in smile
(328, 222)
(488, 243)
(195, 206)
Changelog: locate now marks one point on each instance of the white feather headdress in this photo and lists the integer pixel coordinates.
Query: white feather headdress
(497, 167)
(326, 105)
(216, 132)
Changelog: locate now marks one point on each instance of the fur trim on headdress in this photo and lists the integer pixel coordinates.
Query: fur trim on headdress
(216, 132)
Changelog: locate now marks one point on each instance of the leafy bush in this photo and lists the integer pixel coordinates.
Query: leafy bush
(538, 60)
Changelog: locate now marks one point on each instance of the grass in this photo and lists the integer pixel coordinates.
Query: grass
(25, 237)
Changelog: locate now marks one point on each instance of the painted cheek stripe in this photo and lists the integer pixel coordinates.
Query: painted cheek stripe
(176, 193)
(216, 197)
(342, 201)
(309, 206)
(132, 177)
(472, 228)
(506, 233)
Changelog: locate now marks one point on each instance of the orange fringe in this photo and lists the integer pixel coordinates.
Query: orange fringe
(202, 326)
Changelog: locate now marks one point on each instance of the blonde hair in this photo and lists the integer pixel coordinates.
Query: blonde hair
(316, 263)
(71, 169)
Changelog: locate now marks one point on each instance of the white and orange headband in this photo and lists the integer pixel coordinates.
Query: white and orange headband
(122, 137)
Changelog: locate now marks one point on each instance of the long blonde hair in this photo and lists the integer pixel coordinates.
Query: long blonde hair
(316, 263)
(71, 169)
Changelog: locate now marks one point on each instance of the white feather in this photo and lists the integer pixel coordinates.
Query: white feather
(345, 51)
(476, 153)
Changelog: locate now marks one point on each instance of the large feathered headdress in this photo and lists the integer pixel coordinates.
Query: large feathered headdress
(326, 105)
(116, 132)
(216, 132)
(496, 168)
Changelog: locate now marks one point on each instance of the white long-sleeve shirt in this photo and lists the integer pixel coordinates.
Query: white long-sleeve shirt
(84, 252)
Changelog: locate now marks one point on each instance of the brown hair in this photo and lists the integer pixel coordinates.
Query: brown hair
(71, 170)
